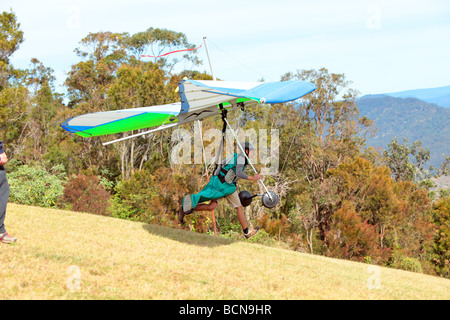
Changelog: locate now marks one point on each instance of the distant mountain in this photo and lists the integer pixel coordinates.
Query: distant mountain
(409, 118)
(439, 96)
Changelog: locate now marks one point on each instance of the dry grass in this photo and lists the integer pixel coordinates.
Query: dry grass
(118, 259)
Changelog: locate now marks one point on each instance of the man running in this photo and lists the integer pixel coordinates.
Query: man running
(223, 185)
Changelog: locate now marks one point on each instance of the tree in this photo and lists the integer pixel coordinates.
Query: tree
(370, 189)
(89, 80)
(41, 121)
(320, 133)
(441, 217)
(398, 158)
(111, 77)
(399, 212)
(10, 36)
(88, 83)
(158, 42)
(85, 193)
(13, 92)
(136, 85)
(444, 169)
(349, 237)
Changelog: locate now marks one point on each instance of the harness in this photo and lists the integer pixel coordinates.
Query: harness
(227, 173)
(223, 181)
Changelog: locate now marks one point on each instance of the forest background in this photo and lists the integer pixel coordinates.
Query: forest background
(338, 197)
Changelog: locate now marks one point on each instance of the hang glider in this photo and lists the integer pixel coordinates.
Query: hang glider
(199, 99)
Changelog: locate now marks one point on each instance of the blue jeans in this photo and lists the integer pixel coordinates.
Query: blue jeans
(4, 195)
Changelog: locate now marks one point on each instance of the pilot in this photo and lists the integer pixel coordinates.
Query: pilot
(223, 185)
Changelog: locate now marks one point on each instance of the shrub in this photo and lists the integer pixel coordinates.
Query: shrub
(35, 186)
(133, 199)
(403, 262)
(85, 193)
(442, 237)
(121, 210)
(152, 197)
(349, 237)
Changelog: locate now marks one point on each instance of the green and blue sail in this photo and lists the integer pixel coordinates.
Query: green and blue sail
(199, 99)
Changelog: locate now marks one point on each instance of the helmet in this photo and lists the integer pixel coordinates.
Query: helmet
(248, 145)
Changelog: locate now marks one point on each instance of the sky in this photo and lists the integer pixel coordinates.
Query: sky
(381, 46)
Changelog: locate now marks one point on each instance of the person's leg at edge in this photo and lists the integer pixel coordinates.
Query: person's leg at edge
(241, 218)
(4, 195)
(211, 206)
(207, 206)
(239, 211)
(234, 201)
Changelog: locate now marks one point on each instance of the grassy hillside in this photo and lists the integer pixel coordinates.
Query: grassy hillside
(119, 259)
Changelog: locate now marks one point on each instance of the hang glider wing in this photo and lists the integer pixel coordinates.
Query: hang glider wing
(199, 99)
(116, 121)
